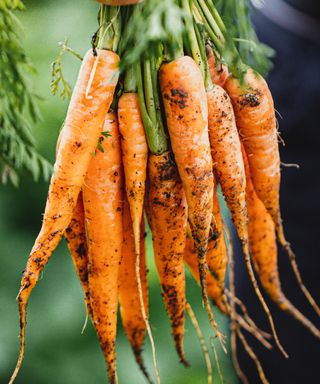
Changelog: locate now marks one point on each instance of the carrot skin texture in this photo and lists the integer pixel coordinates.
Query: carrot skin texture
(228, 162)
(256, 122)
(86, 113)
(103, 202)
(135, 155)
(227, 157)
(76, 238)
(168, 218)
(130, 310)
(184, 99)
(217, 258)
(263, 248)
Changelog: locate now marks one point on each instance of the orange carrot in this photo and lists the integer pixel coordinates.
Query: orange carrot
(135, 157)
(263, 247)
(91, 99)
(185, 103)
(218, 71)
(75, 235)
(256, 121)
(130, 309)
(228, 162)
(103, 200)
(168, 218)
(76, 238)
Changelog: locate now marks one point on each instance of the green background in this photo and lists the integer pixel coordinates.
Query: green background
(56, 352)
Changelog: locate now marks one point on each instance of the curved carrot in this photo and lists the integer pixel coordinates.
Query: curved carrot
(130, 309)
(103, 200)
(185, 103)
(263, 247)
(256, 121)
(228, 162)
(168, 218)
(75, 235)
(91, 99)
(218, 71)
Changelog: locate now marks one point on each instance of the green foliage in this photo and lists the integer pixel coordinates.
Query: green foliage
(18, 105)
(57, 76)
(152, 23)
(236, 14)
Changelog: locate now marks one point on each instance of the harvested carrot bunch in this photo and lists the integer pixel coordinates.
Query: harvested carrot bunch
(162, 126)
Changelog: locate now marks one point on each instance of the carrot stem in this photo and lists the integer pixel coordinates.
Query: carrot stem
(217, 32)
(191, 34)
(130, 80)
(110, 28)
(150, 108)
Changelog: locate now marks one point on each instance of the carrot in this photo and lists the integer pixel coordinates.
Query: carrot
(130, 309)
(103, 198)
(135, 156)
(263, 247)
(218, 71)
(91, 99)
(184, 99)
(75, 235)
(254, 110)
(76, 238)
(228, 162)
(168, 218)
(256, 121)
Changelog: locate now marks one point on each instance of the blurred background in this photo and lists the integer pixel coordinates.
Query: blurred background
(56, 352)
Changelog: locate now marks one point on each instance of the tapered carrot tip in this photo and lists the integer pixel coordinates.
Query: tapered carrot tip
(178, 339)
(140, 361)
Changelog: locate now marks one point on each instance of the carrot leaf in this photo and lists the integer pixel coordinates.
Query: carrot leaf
(57, 77)
(18, 102)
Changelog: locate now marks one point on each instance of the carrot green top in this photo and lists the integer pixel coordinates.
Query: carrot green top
(109, 28)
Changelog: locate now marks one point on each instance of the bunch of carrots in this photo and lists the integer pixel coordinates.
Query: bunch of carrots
(153, 143)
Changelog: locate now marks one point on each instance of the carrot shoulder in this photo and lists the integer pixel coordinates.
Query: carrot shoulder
(103, 200)
(91, 99)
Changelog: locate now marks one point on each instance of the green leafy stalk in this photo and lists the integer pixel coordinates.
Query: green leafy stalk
(57, 76)
(152, 22)
(253, 52)
(150, 106)
(18, 106)
(109, 28)
(220, 36)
